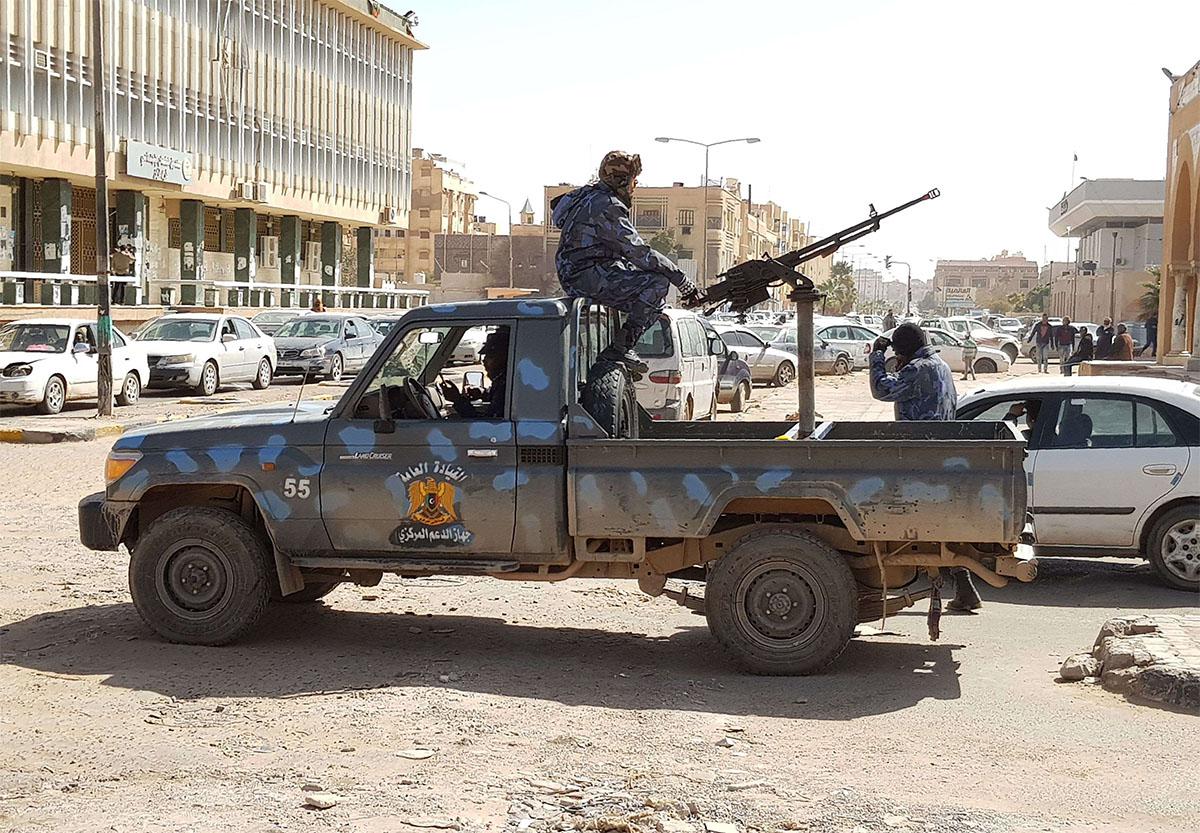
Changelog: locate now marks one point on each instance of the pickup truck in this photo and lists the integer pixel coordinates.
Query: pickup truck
(557, 475)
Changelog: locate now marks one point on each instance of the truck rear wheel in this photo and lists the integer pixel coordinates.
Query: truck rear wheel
(200, 576)
(609, 397)
(782, 602)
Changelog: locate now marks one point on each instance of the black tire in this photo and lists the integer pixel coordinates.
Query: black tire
(785, 374)
(986, 366)
(210, 380)
(890, 364)
(1010, 351)
(336, 368)
(131, 390)
(311, 592)
(757, 579)
(54, 397)
(740, 396)
(609, 397)
(262, 379)
(841, 366)
(223, 561)
(1173, 550)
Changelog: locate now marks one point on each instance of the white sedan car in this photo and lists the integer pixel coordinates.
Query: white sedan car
(950, 348)
(46, 362)
(1109, 465)
(205, 350)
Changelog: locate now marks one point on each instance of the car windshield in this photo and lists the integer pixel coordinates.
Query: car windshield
(1009, 322)
(384, 326)
(35, 338)
(179, 329)
(655, 343)
(309, 327)
(767, 334)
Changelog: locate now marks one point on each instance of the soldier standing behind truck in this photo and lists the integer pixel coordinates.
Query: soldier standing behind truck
(923, 389)
(602, 257)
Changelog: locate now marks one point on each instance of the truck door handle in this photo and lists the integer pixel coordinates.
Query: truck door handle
(1165, 469)
(482, 452)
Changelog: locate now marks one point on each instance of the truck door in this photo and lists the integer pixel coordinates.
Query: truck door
(405, 472)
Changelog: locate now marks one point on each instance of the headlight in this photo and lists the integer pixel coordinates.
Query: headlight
(18, 370)
(312, 352)
(182, 358)
(118, 463)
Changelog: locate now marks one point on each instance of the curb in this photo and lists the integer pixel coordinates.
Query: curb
(49, 436)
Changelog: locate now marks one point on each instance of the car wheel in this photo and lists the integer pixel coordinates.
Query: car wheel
(782, 602)
(335, 368)
(201, 576)
(131, 390)
(1173, 548)
(986, 366)
(740, 397)
(842, 366)
(784, 374)
(1010, 351)
(54, 397)
(262, 379)
(210, 380)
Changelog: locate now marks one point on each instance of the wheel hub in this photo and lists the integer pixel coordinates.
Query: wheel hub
(1181, 550)
(195, 579)
(780, 604)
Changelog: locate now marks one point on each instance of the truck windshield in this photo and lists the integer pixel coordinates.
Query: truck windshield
(412, 356)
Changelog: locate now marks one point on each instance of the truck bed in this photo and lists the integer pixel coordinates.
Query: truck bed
(887, 481)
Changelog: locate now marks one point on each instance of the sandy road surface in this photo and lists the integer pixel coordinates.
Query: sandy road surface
(537, 701)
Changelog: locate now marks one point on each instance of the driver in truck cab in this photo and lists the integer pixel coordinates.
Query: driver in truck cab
(602, 257)
(495, 365)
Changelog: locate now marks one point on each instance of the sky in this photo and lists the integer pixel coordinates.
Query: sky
(855, 103)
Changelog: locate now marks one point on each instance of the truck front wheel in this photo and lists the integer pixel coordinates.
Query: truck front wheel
(782, 602)
(200, 576)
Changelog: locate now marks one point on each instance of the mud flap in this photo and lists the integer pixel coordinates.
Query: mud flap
(934, 619)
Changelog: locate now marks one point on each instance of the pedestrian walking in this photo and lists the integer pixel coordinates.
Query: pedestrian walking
(318, 305)
(1104, 339)
(1085, 351)
(889, 321)
(1122, 346)
(122, 263)
(1151, 335)
(923, 389)
(1064, 340)
(1041, 335)
(970, 351)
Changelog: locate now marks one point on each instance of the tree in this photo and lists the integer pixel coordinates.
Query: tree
(1149, 300)
(664, 243)
(840, 292)
(842, 268)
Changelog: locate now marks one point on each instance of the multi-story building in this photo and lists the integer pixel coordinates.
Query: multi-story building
(1117, 224)
(245, 141)
(1179, 298)
(987, 278)
(474, 266)
(869, 285)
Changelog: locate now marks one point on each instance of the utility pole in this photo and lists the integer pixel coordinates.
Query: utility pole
(1112, 288)
(104, 380)
(887, 263)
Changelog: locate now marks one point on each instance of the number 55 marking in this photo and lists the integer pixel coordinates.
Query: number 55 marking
(296, 488)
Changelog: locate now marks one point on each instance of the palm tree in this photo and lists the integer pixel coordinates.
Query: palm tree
(840, 294)
(1149, 300)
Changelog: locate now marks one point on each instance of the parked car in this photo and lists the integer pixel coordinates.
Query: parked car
(1108, 461)
(325, 344)
(683, 360)
(826, 358)
(383, 323)
(47, 362)
(950, 348)
(855, 339)
(767, 364)
(206, 350)
(1005, 324)
(960, 325)
(467, 349)
(735, 384)
(271, 320)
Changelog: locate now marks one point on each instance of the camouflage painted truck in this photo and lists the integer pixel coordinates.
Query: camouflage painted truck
(795, 541)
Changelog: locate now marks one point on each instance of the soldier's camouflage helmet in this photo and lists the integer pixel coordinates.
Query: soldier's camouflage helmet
(618, 170)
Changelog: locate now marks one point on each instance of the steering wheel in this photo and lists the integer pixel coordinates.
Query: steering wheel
(420, 396)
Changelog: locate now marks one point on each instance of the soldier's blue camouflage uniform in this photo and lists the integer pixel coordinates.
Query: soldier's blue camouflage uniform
(922, 390)
(601, 256)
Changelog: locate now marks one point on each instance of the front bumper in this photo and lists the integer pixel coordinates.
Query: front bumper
(22, 391)
(174, 375)
(102, 522)
(298, 367)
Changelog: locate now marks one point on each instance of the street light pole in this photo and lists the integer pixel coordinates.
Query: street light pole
(104, 380)
(1112, 288)
(750, 140)
(507, 205)
(888, 261)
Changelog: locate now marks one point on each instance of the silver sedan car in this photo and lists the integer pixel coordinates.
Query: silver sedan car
(775, 360)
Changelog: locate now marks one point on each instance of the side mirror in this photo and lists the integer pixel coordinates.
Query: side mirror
(733, 356)
(81, 347)
(228, 337)
(429, 337)
(473, 379)
(824, 343)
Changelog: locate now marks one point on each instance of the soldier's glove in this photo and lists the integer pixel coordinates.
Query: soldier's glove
(689, 294)
(881, 344)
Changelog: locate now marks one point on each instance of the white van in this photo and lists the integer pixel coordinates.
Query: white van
(684, 364)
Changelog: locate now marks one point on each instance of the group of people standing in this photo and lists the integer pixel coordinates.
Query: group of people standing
(1074, 345)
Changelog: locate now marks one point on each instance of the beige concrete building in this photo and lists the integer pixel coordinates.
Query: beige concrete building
(987, 278)
(1179, 299)
(244, 141)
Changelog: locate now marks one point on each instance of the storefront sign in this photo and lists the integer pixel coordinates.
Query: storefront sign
(157, 163)
(958, 297)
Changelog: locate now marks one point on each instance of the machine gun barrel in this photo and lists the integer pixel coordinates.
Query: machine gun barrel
(747, 284)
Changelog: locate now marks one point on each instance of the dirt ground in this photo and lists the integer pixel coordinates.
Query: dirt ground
(478, 705)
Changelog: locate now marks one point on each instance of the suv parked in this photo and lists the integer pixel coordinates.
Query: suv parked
(683, 360)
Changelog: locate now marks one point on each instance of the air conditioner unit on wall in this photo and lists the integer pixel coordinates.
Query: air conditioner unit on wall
(312, 256)
(260, 192)
(269, 253)
(245, 191)
(41, 59)
(389, 216)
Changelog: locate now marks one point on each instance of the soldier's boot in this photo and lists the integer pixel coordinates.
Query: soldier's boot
(966, 597)
(621, 350)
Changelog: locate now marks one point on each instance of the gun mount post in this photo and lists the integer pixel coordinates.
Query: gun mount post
(805, 295)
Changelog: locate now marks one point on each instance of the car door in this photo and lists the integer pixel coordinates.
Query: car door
(82, 368)
(231, 354)
(948, 348)
(422, 486)
(252, 347)
(689, 365)
(1100, 471)
(706, 380)
(122, 360)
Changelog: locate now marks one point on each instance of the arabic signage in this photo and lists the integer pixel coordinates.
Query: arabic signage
(157, 163)
(958, 297)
